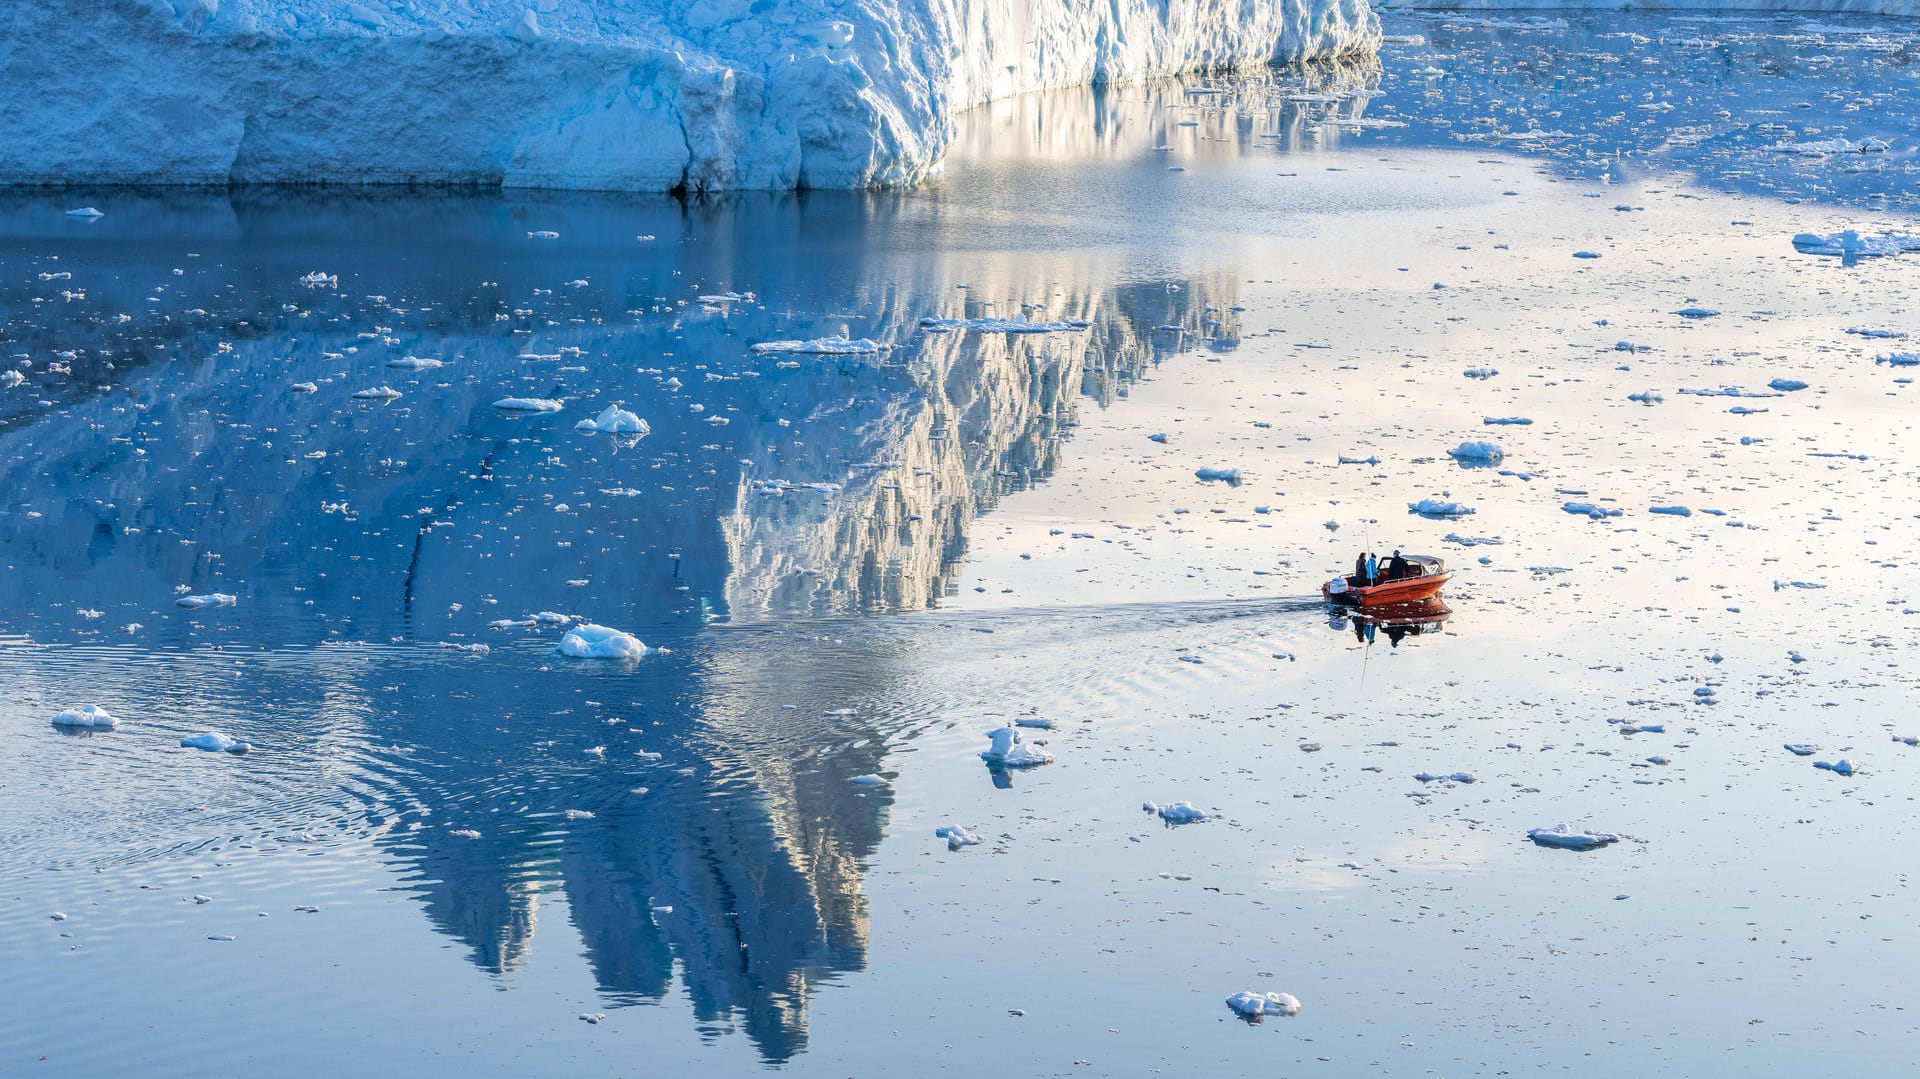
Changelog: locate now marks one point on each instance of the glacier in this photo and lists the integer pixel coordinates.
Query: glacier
(634, 95)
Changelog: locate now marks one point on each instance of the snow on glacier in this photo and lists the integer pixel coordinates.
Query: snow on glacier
(645, 95)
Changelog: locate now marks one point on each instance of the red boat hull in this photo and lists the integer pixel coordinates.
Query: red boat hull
(1404, 590)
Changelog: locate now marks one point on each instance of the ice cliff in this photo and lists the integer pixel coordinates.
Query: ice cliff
(645, 95)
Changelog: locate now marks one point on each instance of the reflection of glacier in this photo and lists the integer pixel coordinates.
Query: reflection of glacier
(169, 449)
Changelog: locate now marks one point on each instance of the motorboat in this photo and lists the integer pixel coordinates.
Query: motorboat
(1423, 577)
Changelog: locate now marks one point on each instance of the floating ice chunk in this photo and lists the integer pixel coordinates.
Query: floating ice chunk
(1434, 507)
(1671, 511)
(823, 346)
(957, 836)
(465, 833)
(1696, 312)
(527, 404)
(1787, 385)
(1253, 1006)
(542, 234)
(89, 717)
(305, 387)
(1480, 372)
(87, 212)
(1456, 777)
(599, 642)
(1884, 335)
(1899, 359)
(1842, 767)
(211, 599)
(1586, 254)
(1160, 437)
(1588, 509)
(316, 279)
(1849, 244)
(1180, 813)
(615, 421)
(1473, 541)
(1001, 325)
(1907, 739)
(578, 814)
(1345, 460)
(1222, 474)
(1800, 749)
(470, 649)
(377, 393)
(1008, 751)
(868, 780)
(1565, 837)
(1482, 453)
(416, 363)
(214, 742)
(1035, 722)
(1646, 397)
(1506, 421)
(594, 1018)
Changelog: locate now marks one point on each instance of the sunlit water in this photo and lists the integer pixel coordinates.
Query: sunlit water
(1290, 276)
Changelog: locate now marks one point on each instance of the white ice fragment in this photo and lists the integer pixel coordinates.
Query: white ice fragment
(1455, 777)
(1480, 373)
(1485, 453)
(615, 421)
(1800, 749)
(527, 404)
(305, 387)
(1218, 473)
(90, 717)
(416, 363)
(578, 814)
(1843, 766)
(599, 642)
(1671, 511)
(465, 833)
(543, 234)
(1589, 509)
(823, 346)
(211, 599)
(1253, 1006)
(1008, 751)
(1435, 507)
(957, 836)
(1849, 244)
(377, 393)
(214, 742)
(868, 780)
(86, 212)
(1696, 312)
(1180, 813)
(317, 279)
(1566, 837)
(1035, 722)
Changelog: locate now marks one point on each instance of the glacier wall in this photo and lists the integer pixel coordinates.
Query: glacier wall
(640, 95)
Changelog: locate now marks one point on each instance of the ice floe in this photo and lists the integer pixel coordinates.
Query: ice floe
(822, 346)
(592, 641)
(957, 836)
(527, 404)
(1477, 453)
(1441, 508)
(377, 393)
(90, 717)
(615, 420)
(1218, 474)
(215, 742)
(1253, 1006)
(1008, 751)
(1001, 325)
(1567, 837)
(1843, 766)
(211, 599)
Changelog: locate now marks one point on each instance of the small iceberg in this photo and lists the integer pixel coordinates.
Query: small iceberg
(86, 212)
(822, 346)
(1588, 509)
(377, 393)
(1566, 837)
(1008, 751)
(1849, 244)
(1841, 767)
(1898, 359)
(600, 642)
(957, 836)
(415, 363)
(1477, 453)
(318, 279)
(1434, 507)
(87, 717)
(527, 404)
(1696, 312)
(1800, 749)
(1481, 373)
(1455, 777)
(1177, 813)
(214, 742)
(868, 780)
(1786, 385)
(1671, 511)
(1253, 1006)
(1505, 421)
(615, 421)
(1212, 474)
(211, 599)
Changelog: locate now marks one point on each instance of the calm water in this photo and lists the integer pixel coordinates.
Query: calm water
(1288, 275)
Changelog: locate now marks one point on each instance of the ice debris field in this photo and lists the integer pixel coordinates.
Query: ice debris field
(871, 634)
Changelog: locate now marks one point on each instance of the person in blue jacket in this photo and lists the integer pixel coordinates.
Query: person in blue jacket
(1373, 568)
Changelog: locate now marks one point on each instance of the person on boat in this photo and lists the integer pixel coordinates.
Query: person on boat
(1373, 569)
(1397, 568)
(1360, 570)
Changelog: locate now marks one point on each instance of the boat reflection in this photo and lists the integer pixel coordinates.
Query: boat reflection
(1395, 621)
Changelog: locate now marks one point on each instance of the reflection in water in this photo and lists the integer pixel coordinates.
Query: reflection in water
(1395, 621)
(702, 836)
